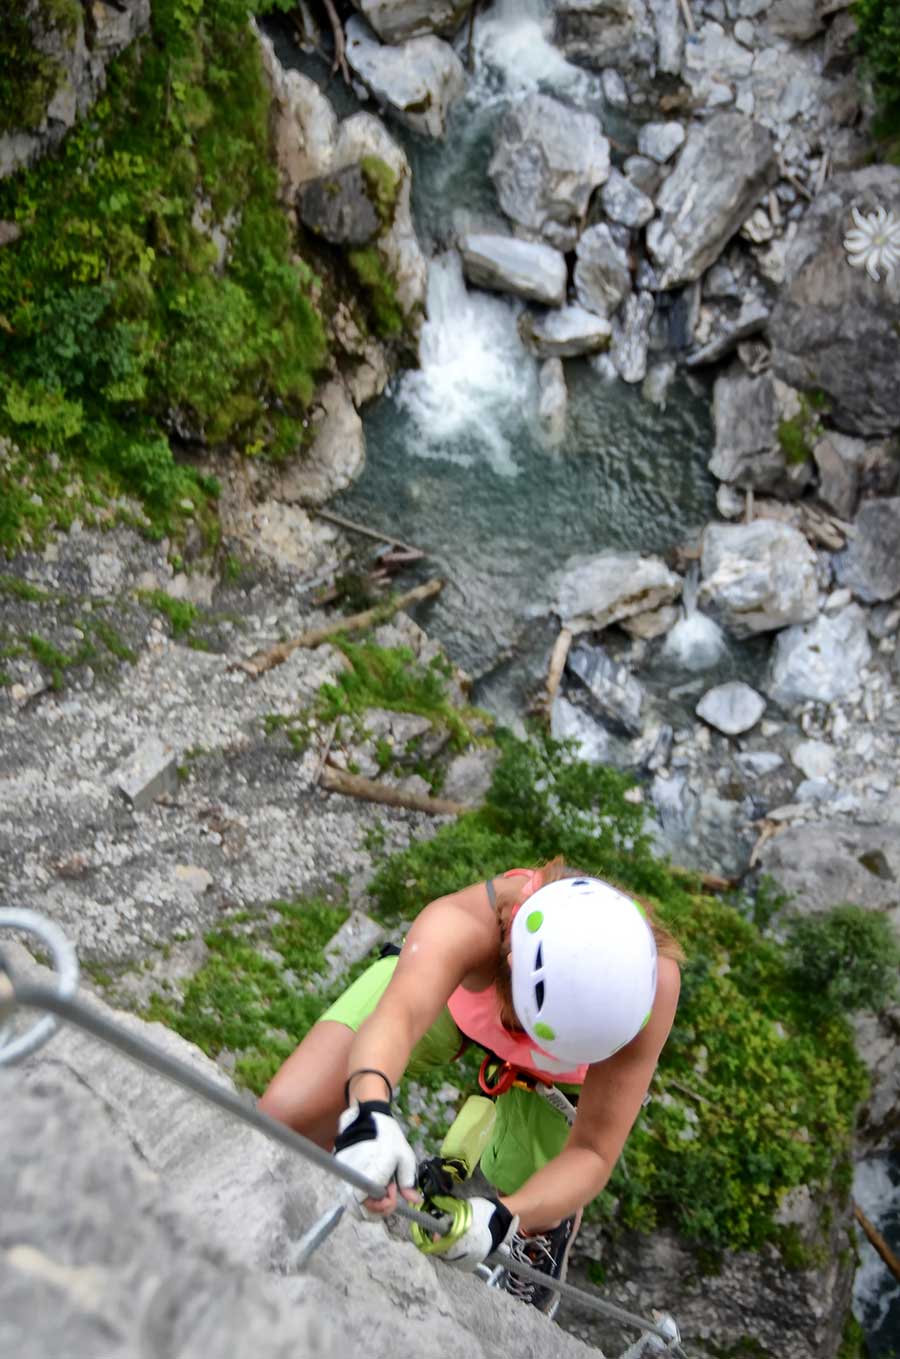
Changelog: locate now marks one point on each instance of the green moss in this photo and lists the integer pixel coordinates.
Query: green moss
(182, 615)
(22, 589)
(799, 435)
(380, 290)
(297, 727)
(29, 77)
(383, 186)
(853, 1340)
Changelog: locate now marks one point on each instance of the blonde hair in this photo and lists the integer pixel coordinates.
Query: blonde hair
(554, 870)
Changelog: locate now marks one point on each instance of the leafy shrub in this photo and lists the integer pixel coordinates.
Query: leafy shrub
(846, 960)
(878, 22)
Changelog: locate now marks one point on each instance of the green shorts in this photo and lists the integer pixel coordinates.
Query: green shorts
(527, 1131)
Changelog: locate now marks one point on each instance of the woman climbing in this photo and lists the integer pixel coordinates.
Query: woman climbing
(562, 976)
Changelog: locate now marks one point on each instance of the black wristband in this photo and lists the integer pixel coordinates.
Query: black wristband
(501, 1221)
(367, 1071)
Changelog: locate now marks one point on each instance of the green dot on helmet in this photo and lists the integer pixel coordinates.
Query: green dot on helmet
(544, 1031)
(534, 921)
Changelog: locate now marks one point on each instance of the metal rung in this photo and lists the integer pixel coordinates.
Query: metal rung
(318, 1233)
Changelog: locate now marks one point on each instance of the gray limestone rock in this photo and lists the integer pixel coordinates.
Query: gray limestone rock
(745, 417)
(631, 337)
(870, 563)
(834, 328)
(594, 592)
(565, 333)
(614, 693)
(820, 660)
(396, 20)
(602, 275)
(605, 33)
(148, 773)
(757, 577)
(728, 334)
(756, 764)
(570, 722)
(722, 169)
(527, 269)
(623, 202)
(656, 384)
(838, 458)
(417, 80)
(731, 708)
(815, 759)
(660, 141)
(645, 174)
(337, 453)
(669, 35)
(339, 207)
(827, 863)
(547, 161)
(553, 398)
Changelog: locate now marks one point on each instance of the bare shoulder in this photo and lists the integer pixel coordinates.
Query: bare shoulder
(462, 922)
(668, 985)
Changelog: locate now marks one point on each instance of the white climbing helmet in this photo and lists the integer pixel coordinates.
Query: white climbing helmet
(583, 969)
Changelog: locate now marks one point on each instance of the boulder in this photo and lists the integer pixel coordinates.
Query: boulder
(397, 20)
(757, 577)
(613, 692)
(870, 563)
(337, 454)
(339, 207)
(547, 161)
(594, 592)
(527, 269)
(303, 121)
(645, 174)
(728, 331)
(660, 141)
(713, 61)
(820, 660)
(602, 273)
(829, 863)
(838, 459)
(631, 337)
(731, 708)
(553, 398)
(669, 35)
(721, 172)
(834, 327)
(605, 33)
(623, 202)
(417, 80)
(746, 417)
(797, 20)
(565, 333)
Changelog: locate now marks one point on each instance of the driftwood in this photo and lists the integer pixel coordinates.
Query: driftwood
(369, 790)
(687, 15)
(544, 703)
(379, 537)
(340, 60)
(470, 40)
(261, 661)
(325, 751)
(878, 1241)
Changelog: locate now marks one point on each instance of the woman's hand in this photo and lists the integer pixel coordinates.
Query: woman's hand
(492, 1225)
(371, 1142)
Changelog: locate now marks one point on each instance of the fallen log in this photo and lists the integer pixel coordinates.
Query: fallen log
(356, 527)
(557, 664)
(369, 790)
(261, 661)
(878, 1241)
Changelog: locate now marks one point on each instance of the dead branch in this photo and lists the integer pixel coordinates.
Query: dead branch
(369, 790)
(261, 661)
(369, 533)
(878, 1241)
(325, 751)
(555, 670)
(340, 59)
(687, 15)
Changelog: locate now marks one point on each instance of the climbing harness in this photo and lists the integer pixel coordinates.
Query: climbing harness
(444, 1217)
(496, 1077)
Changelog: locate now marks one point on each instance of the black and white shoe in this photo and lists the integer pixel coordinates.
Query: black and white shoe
(548, 1253)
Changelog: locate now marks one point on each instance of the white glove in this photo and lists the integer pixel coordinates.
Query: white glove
(492, 1225)
(370, 1140)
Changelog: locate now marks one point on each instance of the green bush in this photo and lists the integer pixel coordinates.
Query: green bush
(845, 960)
(878, 22)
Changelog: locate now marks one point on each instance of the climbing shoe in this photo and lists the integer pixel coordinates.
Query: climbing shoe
(547, 1252)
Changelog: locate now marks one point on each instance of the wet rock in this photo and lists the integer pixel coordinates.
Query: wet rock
(870, 563)
(570, 722)
(339, 207)
(721, 172)
(148, 773)
(605, 33)
(614, 694)
(656, 384)
(833, 327)
(631, 337)
(595, 592)
(731, 708)
(417, 80)
(396, 20)
(623, 202)
(547, 161)
(553, 398)
(660, 141)
(565, 333)
(757, 577)
(527, 269)
(821, 660)
(602, 273)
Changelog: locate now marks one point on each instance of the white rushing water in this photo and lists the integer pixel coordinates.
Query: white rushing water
(513, 43)
(696, 642)
(876, 1293)
(475, 382)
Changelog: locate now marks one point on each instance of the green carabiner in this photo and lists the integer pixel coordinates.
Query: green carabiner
(460, 1210)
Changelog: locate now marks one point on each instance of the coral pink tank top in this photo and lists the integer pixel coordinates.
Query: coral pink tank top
(477, 1015)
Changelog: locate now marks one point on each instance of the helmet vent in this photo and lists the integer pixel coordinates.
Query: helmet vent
(539, 958)
(539, 994)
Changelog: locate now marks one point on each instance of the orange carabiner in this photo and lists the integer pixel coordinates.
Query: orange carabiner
(507, 1075)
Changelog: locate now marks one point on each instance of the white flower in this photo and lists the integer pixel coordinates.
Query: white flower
(874, 242)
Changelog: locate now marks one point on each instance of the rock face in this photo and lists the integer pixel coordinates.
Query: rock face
(397, 20)
(828, 863)
(870, 563)
(721, 171)
(602, 275)
(821, 660)
(74, 55)
(337, 454)
(757, 577)
(417, 80)
(614, 693)
(595, 592)
(564, 334)
(731, 708)
(139, 1220)
(547, 162)
(526, 268)
(834, 328)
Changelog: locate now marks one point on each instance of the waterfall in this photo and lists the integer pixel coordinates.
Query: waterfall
(696, 642)
(476, 386)
(512, 42)
(876, 1294)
